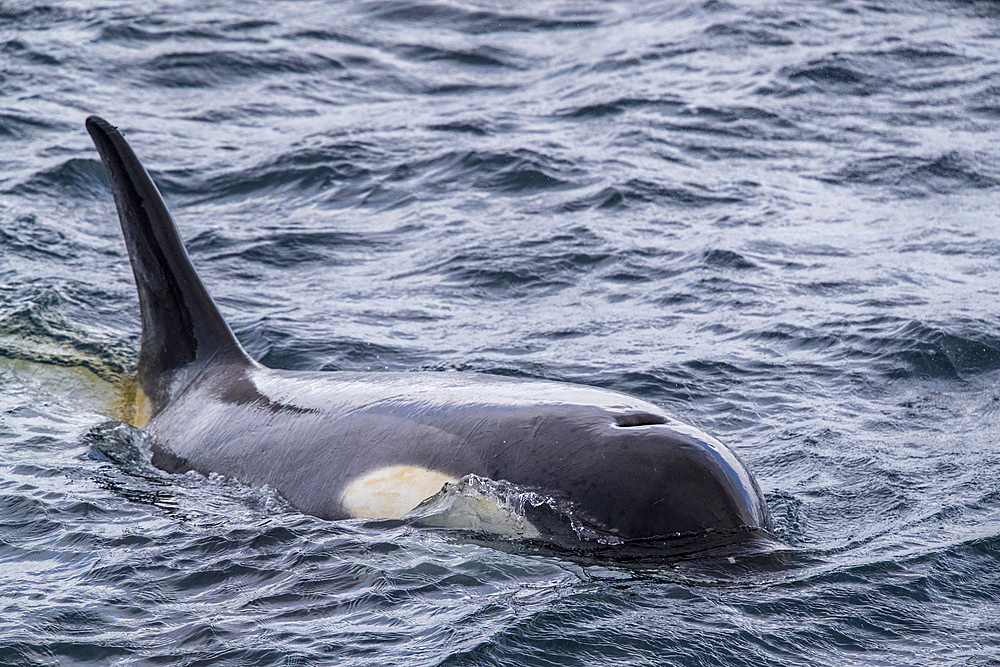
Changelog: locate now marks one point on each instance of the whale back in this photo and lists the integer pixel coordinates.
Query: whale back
(182, 329)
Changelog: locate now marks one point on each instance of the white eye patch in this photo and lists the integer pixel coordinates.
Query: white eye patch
(391, 492)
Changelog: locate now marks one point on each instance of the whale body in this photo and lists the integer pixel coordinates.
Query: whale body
(342, 445)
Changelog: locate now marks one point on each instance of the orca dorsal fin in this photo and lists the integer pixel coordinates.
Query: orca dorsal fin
(182, 329)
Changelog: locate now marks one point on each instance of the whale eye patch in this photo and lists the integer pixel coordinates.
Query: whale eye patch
(638, 419)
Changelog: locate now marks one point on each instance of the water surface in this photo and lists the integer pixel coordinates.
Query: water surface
(780, 222)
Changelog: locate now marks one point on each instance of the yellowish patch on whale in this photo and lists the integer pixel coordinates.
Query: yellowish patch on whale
(391, 492)
(143, 408)
(132, 405)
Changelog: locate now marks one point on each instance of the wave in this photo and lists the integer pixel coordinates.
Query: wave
(34, 327)
(475, 21)
(897, 348)
(917, 176)
(638, 192)
(130, 31)
(76, 177)
(218, 68)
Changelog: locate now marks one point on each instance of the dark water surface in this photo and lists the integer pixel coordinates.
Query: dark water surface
(779, 221)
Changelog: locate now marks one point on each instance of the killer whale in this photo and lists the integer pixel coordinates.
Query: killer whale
(342, 445)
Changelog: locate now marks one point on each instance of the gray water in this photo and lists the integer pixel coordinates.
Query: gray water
(780, 222)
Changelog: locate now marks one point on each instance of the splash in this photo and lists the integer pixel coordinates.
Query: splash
(498, 507)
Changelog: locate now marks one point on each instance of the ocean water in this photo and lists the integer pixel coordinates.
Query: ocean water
(779, 221)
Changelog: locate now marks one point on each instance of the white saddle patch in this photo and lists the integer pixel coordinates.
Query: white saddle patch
(391, 492)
